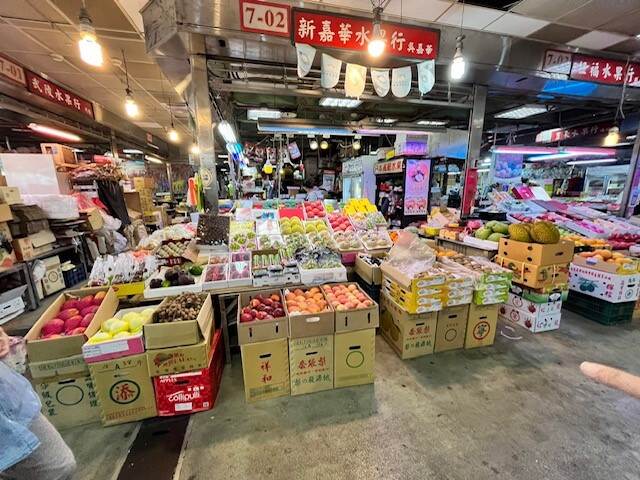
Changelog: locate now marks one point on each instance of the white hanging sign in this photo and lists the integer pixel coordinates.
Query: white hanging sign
(401, 81)
(426, 76)
(306, 54)
(380, 79)
(354, 80)
(330, 73)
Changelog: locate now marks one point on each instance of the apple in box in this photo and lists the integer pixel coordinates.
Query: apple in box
(85, 302)
(72, 323)
(262, 308)
(53, 326)
(89, 309)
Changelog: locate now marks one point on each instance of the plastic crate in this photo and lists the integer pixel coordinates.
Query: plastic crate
(598, 310)
(74, 276)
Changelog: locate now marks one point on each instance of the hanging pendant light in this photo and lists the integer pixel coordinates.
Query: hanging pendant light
(90, 49)
(377, 44)
(458, 64)
(613, 137)
(173, 135)
(313, 144)
(130, 105)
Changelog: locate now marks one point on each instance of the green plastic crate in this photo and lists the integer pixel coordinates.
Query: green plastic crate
(599, 310)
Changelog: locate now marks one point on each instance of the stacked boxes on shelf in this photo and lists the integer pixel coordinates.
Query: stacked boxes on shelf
(7, 253)
(602, 291)
(541, 272)
(60, 373)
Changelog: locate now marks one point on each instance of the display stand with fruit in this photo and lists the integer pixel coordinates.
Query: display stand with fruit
(173, 281)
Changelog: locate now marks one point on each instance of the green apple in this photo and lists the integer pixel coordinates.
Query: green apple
(118, 326)
(106, 325)
(123, 334)
(100, 337)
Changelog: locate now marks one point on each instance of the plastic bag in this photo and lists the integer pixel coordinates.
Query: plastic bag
(411, 254)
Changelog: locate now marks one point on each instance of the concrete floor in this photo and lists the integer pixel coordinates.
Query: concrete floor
(517, 410)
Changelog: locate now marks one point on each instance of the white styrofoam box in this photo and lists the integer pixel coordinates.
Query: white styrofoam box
(533, 322)
(11, 309)
(520, 303)
(57, 207)
(611, 287)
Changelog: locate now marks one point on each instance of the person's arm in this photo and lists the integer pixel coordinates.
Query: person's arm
(4, 343)
(612, 377)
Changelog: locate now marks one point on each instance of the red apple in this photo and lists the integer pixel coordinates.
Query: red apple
(55, 325)
(89, 309)
(72, 303)
(246, 317)
(98, 297)
(85, 302)
(86, 320)
(68, 313)
(77, 331)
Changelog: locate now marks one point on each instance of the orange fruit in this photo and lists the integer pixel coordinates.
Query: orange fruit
(318, 296)
(301, 299)
(314, 290)
(290, 296)
(298, 292)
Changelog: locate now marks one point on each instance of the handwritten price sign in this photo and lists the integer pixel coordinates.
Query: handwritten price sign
(265, 17)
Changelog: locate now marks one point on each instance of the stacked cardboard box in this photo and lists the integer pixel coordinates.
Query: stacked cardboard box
(60, 374)
(410, 335)
(490, 282)
(7, 253)
(541, 272)
(30, 231)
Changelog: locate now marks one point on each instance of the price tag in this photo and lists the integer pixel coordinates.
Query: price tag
(265, 17)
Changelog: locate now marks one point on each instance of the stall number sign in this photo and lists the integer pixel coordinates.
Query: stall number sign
(265, 17)
(12, 71)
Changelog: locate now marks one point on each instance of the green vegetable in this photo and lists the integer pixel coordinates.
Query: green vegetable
(166, 283)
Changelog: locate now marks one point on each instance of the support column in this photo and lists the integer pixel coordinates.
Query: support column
(205, 161)
(631, 192)
(114, 147)
(170, 179)
(476, 127)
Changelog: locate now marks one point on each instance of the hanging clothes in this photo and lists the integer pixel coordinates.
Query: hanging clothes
(110, 193)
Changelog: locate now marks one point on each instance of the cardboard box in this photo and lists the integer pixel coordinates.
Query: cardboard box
(481, 326)
(53, 281)
(61, 367)
(194, 391)
(611, 287)
(261, 330)
(313, 324)
(34, 245)
(544, 295)
(66, 346)
(116, 347)
(535, 276)
(265, 369)
(124, 389)
(177, 334)
(165, 361)
(410, 335)
(62, 155)
(68, 401)
(7, 259)
(5, 231)
(5, 213)
(451, 329)
(10, 195)
(536, 253)
(354, 357)
(95, 221)
(533, 322)
(522, 303)
(368, 272)
(311, 364)
(630, 268)
(360, 319)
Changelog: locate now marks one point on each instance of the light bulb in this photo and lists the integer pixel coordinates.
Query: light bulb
(458, 64)
(376, 47)
(356, 145)
(131, 106)
(324, 144)
(613, 137)
(173, 135)
(376, 44)
(313, 144)
(194, 149)
(90, 50)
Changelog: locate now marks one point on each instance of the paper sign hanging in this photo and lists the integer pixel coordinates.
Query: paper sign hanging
(330, 73)
(401, 81)
(426, 76)
(306, 54)
(354, 80)
(380, 79)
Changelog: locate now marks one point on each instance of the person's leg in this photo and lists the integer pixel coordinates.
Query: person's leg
(52, 460)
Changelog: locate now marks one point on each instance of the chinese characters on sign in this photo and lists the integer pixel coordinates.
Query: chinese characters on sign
(353, 33)
(559, 134)
(50, 91)
(392, 166)
(12, 71)
(612, 72)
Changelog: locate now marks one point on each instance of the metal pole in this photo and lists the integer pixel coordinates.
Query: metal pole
(626, 210)
(206, 160)
(170, 179)
(476, 126)
(114, 147)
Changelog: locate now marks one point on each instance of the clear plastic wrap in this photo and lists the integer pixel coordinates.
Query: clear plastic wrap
(411, 254)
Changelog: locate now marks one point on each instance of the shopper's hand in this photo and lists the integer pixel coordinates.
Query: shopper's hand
(4, 343)
(612, 377)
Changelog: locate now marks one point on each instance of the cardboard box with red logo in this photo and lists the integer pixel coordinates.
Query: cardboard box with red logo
(191, 392)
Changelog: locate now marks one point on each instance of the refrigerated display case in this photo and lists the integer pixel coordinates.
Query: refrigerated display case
(358, 178)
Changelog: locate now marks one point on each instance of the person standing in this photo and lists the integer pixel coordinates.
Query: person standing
(30, 447)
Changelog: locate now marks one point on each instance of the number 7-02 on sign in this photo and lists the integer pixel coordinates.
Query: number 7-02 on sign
(265, 17)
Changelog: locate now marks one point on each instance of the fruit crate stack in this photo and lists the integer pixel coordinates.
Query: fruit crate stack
(307, 340)
(604, 286)
(539, 260)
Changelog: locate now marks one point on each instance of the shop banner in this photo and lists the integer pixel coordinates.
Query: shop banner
(12, 71)
(354, 80)
(469, 191)
(380, 80)
(600, 70)
(345, 32)
(426, 76)
(330, 72)
(401, 81)
(306, 54)
(50, 91)
(559, 134)
(507, 168)
(416, 187)
(390, 166)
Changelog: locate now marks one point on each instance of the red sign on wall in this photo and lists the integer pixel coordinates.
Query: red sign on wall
(469, 191)
(63, 97)
(611, 72)
(353, 33)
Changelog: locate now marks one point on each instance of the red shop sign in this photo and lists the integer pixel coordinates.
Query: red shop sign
(52, 92)
(345, 32)
(611, 72)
